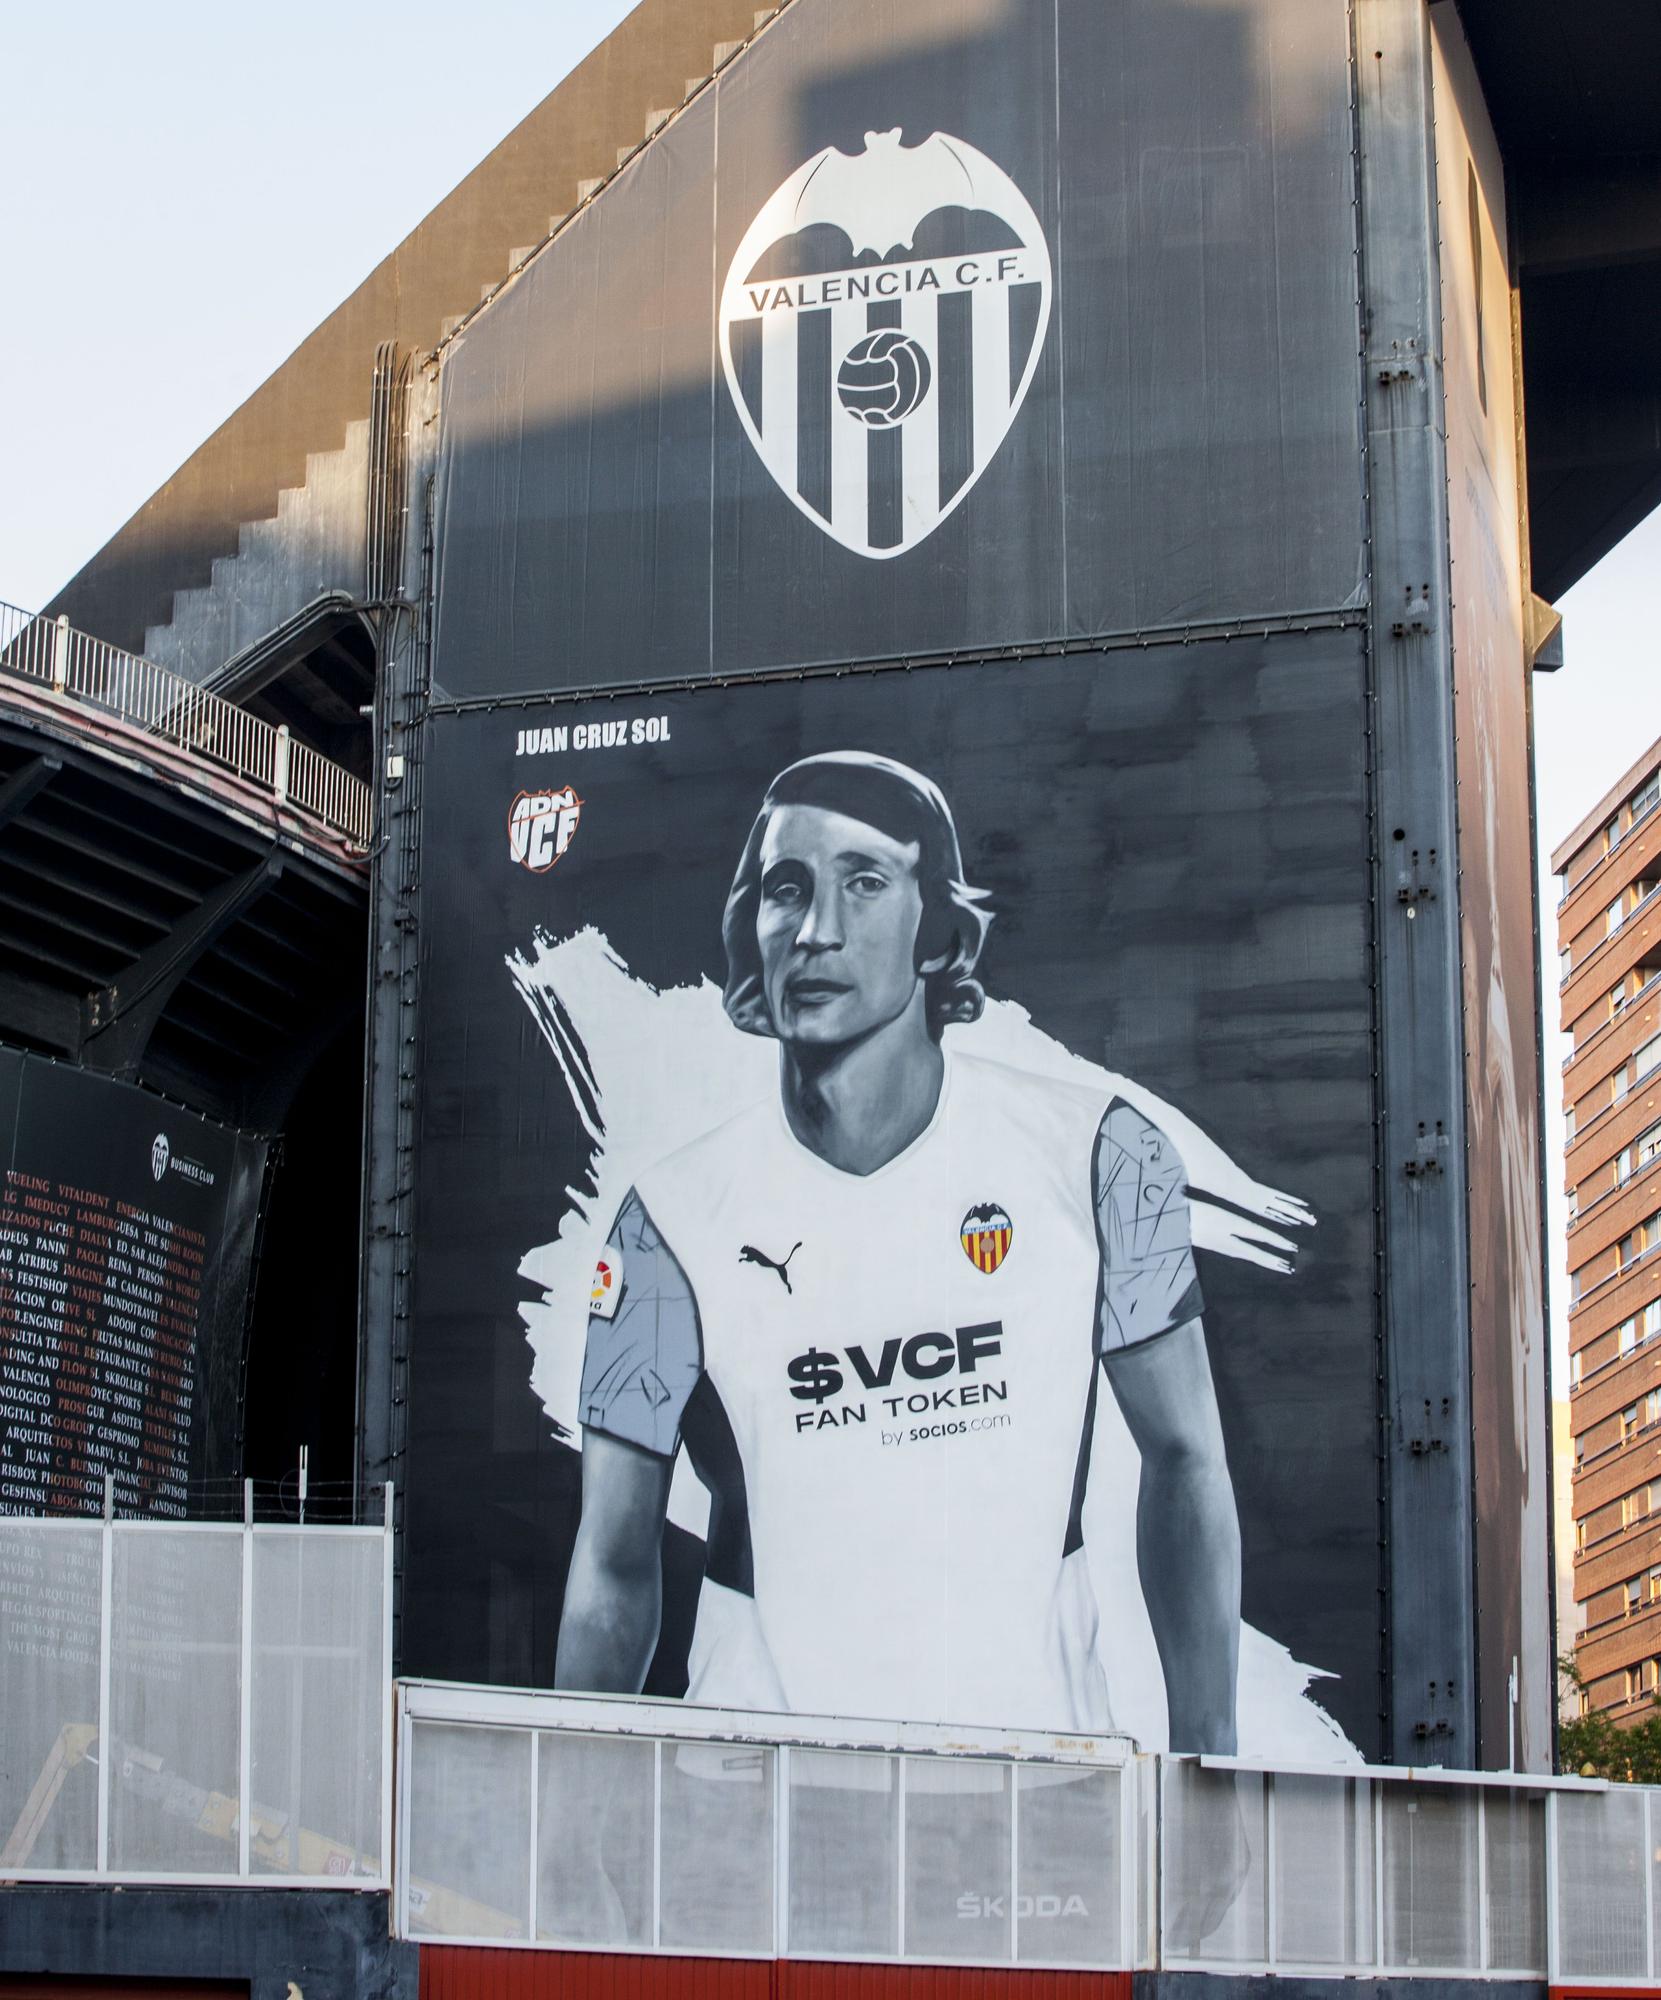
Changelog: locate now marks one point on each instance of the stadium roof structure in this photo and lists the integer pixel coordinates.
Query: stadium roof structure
(1571, 93)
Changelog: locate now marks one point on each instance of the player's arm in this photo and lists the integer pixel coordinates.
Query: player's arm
(643, 1359)
(1152, 1345)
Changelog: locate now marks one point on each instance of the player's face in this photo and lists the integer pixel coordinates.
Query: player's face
(837, 925)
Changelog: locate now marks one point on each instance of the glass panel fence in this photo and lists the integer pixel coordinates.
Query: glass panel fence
(156, 1676)
(521, 1828)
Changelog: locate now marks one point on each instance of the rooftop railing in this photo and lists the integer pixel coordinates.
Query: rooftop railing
(88, 673)
(560, 1822)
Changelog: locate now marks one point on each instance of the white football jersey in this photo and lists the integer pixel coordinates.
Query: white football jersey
(888, 1381)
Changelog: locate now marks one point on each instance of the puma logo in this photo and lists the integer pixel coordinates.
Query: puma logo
(749, 1254)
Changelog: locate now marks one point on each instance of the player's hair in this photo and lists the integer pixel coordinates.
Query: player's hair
(907, 807)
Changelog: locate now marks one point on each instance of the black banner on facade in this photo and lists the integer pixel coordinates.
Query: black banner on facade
(877, 1133)
(126, 1235)
(925, 329)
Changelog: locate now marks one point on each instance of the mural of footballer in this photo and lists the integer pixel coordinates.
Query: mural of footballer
(877, 1310)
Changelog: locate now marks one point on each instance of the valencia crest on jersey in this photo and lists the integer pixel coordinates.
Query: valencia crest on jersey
(881, 323)
(986, 1234)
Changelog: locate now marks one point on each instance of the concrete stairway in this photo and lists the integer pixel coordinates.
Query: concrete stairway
(312, 544)
(315, 541)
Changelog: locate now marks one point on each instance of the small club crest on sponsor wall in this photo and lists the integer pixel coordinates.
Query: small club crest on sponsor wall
(986, 1233)
(881, 323)
(541, 826)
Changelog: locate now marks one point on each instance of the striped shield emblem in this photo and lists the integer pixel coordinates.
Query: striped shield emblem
(986, 1232)
(881, 323)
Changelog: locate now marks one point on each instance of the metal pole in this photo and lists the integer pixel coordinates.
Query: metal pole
(245, 1706)
(106, 1637)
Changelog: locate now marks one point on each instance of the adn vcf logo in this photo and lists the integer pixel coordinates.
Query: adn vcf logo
(881, 323)
(541, 826)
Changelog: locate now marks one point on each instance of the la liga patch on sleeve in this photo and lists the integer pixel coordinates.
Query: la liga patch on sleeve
(607, 1288)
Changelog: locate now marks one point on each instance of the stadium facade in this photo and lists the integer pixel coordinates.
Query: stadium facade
(903, 763)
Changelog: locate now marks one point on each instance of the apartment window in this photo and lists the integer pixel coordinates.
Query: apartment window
(1575, 1369)
(1612, 835)
(1634, 1506)
(1580, 1537)
(1645, 799)
(1585, 1703)
(1648, 1144)
(1616, 1000)
(1580, 1449)
(1568, 1121)
(1565, 962)
(1634, 1591)
(1633, 1332)
(1652, 1408)
(1649, 1057)
(1619, 1084)
(1655, 1496)
(1571, 1197)
(1575, 1288)
(1626, 1165)
(1629, 1422)
(1640, 1241)
(1614, 916)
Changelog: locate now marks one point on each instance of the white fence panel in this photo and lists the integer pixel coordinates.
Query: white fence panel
(581, 1824)
(1602, 1910)
(158, 1676)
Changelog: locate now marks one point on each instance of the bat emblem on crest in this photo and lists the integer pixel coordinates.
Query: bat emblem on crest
(881, 322)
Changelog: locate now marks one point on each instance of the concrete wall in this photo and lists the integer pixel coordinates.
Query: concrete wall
(438, 271)
(325, 1944)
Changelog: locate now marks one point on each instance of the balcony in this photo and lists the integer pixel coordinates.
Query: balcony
(101, 689)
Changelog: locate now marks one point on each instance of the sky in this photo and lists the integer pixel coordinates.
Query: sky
(185, 193)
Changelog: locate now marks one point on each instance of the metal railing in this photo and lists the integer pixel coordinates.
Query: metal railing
(192, 1702)
(579, 1823)
(90, 673)
(563, 1822)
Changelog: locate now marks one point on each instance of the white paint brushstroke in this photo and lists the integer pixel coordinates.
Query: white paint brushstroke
(661, 1068)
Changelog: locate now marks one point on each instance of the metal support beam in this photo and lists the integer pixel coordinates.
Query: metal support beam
(1428, 1607)
(121, 1017)
(41, 1013)
(26, 784)
(400, 565)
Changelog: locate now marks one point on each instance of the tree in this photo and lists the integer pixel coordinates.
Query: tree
(1596, 1746)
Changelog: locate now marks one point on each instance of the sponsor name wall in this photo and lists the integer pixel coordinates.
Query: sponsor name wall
(126, 1233)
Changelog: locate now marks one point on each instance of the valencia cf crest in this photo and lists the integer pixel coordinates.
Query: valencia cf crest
(881, 323)
(986, 1233)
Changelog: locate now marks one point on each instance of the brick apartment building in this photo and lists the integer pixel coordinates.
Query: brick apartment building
(1609, 942)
